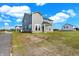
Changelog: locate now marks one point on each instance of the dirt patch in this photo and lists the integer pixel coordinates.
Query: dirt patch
(39, 45)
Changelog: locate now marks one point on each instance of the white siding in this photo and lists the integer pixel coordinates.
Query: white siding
(36, 19)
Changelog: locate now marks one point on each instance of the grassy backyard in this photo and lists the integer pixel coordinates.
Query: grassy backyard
(46, 44)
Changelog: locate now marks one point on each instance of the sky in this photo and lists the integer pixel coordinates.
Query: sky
(11, 14)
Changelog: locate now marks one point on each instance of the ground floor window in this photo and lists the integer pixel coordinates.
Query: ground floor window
(28, 27)
(37, 27)
(43, 27)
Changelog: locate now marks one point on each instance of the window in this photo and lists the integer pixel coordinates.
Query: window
(37, 27)
(66, 26)
(25, 27)
(30, 26)
(49, 29)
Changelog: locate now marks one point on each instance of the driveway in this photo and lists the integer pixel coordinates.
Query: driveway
(5, 44)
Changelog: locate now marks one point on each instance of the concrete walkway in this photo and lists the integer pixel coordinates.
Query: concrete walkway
(5, 44)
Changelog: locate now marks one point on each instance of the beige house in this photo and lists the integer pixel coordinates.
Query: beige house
(36, 23)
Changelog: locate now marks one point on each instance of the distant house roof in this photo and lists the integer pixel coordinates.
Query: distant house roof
(68, 24)
(18, 26)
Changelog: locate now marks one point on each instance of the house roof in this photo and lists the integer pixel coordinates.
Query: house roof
(27, 14)
(18, 26)
(45, 22)
(47, 19)
(37, 12)
(68, 24)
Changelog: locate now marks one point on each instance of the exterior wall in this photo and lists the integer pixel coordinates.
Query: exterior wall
(37, 20)
(48, 21)
(47, 28)
(27, 23)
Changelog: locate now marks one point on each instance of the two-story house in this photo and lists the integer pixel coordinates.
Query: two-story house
(35, 22)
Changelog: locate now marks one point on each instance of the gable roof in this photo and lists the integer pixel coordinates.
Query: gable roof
(37, 12)
(47, 19)
(68, 24)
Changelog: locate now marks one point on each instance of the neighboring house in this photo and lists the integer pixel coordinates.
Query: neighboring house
(68, 27)
(36, 23)
(18, 28)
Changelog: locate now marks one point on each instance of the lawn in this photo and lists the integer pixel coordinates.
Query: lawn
(46, 44)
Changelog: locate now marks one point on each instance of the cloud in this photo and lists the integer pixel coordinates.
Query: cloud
(70, 12)
(59, 17)
(40, 4)
(12, 12)
(16, 11)
(3, 20)
(63, 16)
(19, 20)
(6, 24)
(7, 21)
(5, 8)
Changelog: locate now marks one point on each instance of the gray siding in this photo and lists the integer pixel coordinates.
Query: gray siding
(27, 23)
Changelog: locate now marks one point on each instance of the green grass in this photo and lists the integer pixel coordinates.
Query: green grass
(17, 46)
(70, 39)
